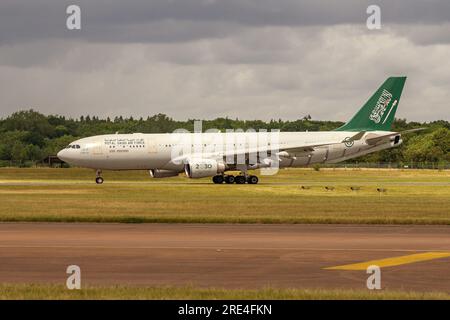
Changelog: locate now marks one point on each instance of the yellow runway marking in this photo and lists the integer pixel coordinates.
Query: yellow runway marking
(395, 261)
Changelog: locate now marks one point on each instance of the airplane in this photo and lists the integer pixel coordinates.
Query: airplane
(211, 154)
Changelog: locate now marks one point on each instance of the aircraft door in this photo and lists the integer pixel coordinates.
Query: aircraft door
(152, 146)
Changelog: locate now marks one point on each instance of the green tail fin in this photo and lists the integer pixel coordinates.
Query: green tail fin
(379, 111)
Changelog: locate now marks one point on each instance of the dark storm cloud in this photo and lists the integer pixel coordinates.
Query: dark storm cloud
(207, 58)
(185, 20)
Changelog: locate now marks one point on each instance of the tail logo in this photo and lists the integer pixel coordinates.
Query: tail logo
(380, 108)
(348, 142)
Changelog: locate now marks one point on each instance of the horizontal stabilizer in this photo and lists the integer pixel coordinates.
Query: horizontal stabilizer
(412, 130)
(356, 137)
(373, 138)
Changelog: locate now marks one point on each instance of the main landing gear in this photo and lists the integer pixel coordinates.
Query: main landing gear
(98, 179)
(230, 179)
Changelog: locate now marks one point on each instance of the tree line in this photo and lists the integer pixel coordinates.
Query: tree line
(30, 136)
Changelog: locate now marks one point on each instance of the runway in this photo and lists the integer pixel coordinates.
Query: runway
(224, 255)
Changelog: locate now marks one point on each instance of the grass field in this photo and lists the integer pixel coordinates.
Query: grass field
(52, 292)
(44, 194)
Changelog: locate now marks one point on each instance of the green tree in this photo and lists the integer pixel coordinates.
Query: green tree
(431, 147)
(9, 140)
(18, 152)
(55, 145)
(33, 152)
(31, 121)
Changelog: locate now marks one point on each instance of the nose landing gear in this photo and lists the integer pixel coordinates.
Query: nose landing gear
(98, 179)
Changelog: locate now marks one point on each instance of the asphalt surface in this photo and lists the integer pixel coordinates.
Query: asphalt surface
(221, 255)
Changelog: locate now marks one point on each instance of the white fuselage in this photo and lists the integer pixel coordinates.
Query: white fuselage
(140, 151)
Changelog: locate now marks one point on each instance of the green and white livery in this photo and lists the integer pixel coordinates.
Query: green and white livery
(214, 154)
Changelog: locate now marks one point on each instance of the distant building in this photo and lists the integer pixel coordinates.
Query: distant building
(53, 161)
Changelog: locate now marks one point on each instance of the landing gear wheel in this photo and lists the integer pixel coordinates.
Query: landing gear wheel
(229, 179)
(240, 179)
(252, 180)
(218, 179)
(99, 180)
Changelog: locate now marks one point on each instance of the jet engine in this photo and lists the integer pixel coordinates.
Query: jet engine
(159, 173)
(200, 168)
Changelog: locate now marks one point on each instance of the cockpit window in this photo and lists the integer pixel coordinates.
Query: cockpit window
(73, 146)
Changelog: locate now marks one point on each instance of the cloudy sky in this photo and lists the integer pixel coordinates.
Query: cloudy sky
(252, 59)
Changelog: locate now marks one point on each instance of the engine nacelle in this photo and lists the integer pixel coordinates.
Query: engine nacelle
(200, 168)
(159, 173)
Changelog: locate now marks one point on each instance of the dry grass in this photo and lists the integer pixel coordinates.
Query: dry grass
(53, 292)
(412, 197)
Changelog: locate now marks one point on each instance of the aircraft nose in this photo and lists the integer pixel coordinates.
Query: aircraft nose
(62, 155)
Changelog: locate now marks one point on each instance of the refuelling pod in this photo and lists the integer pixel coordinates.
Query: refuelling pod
(159, 173)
